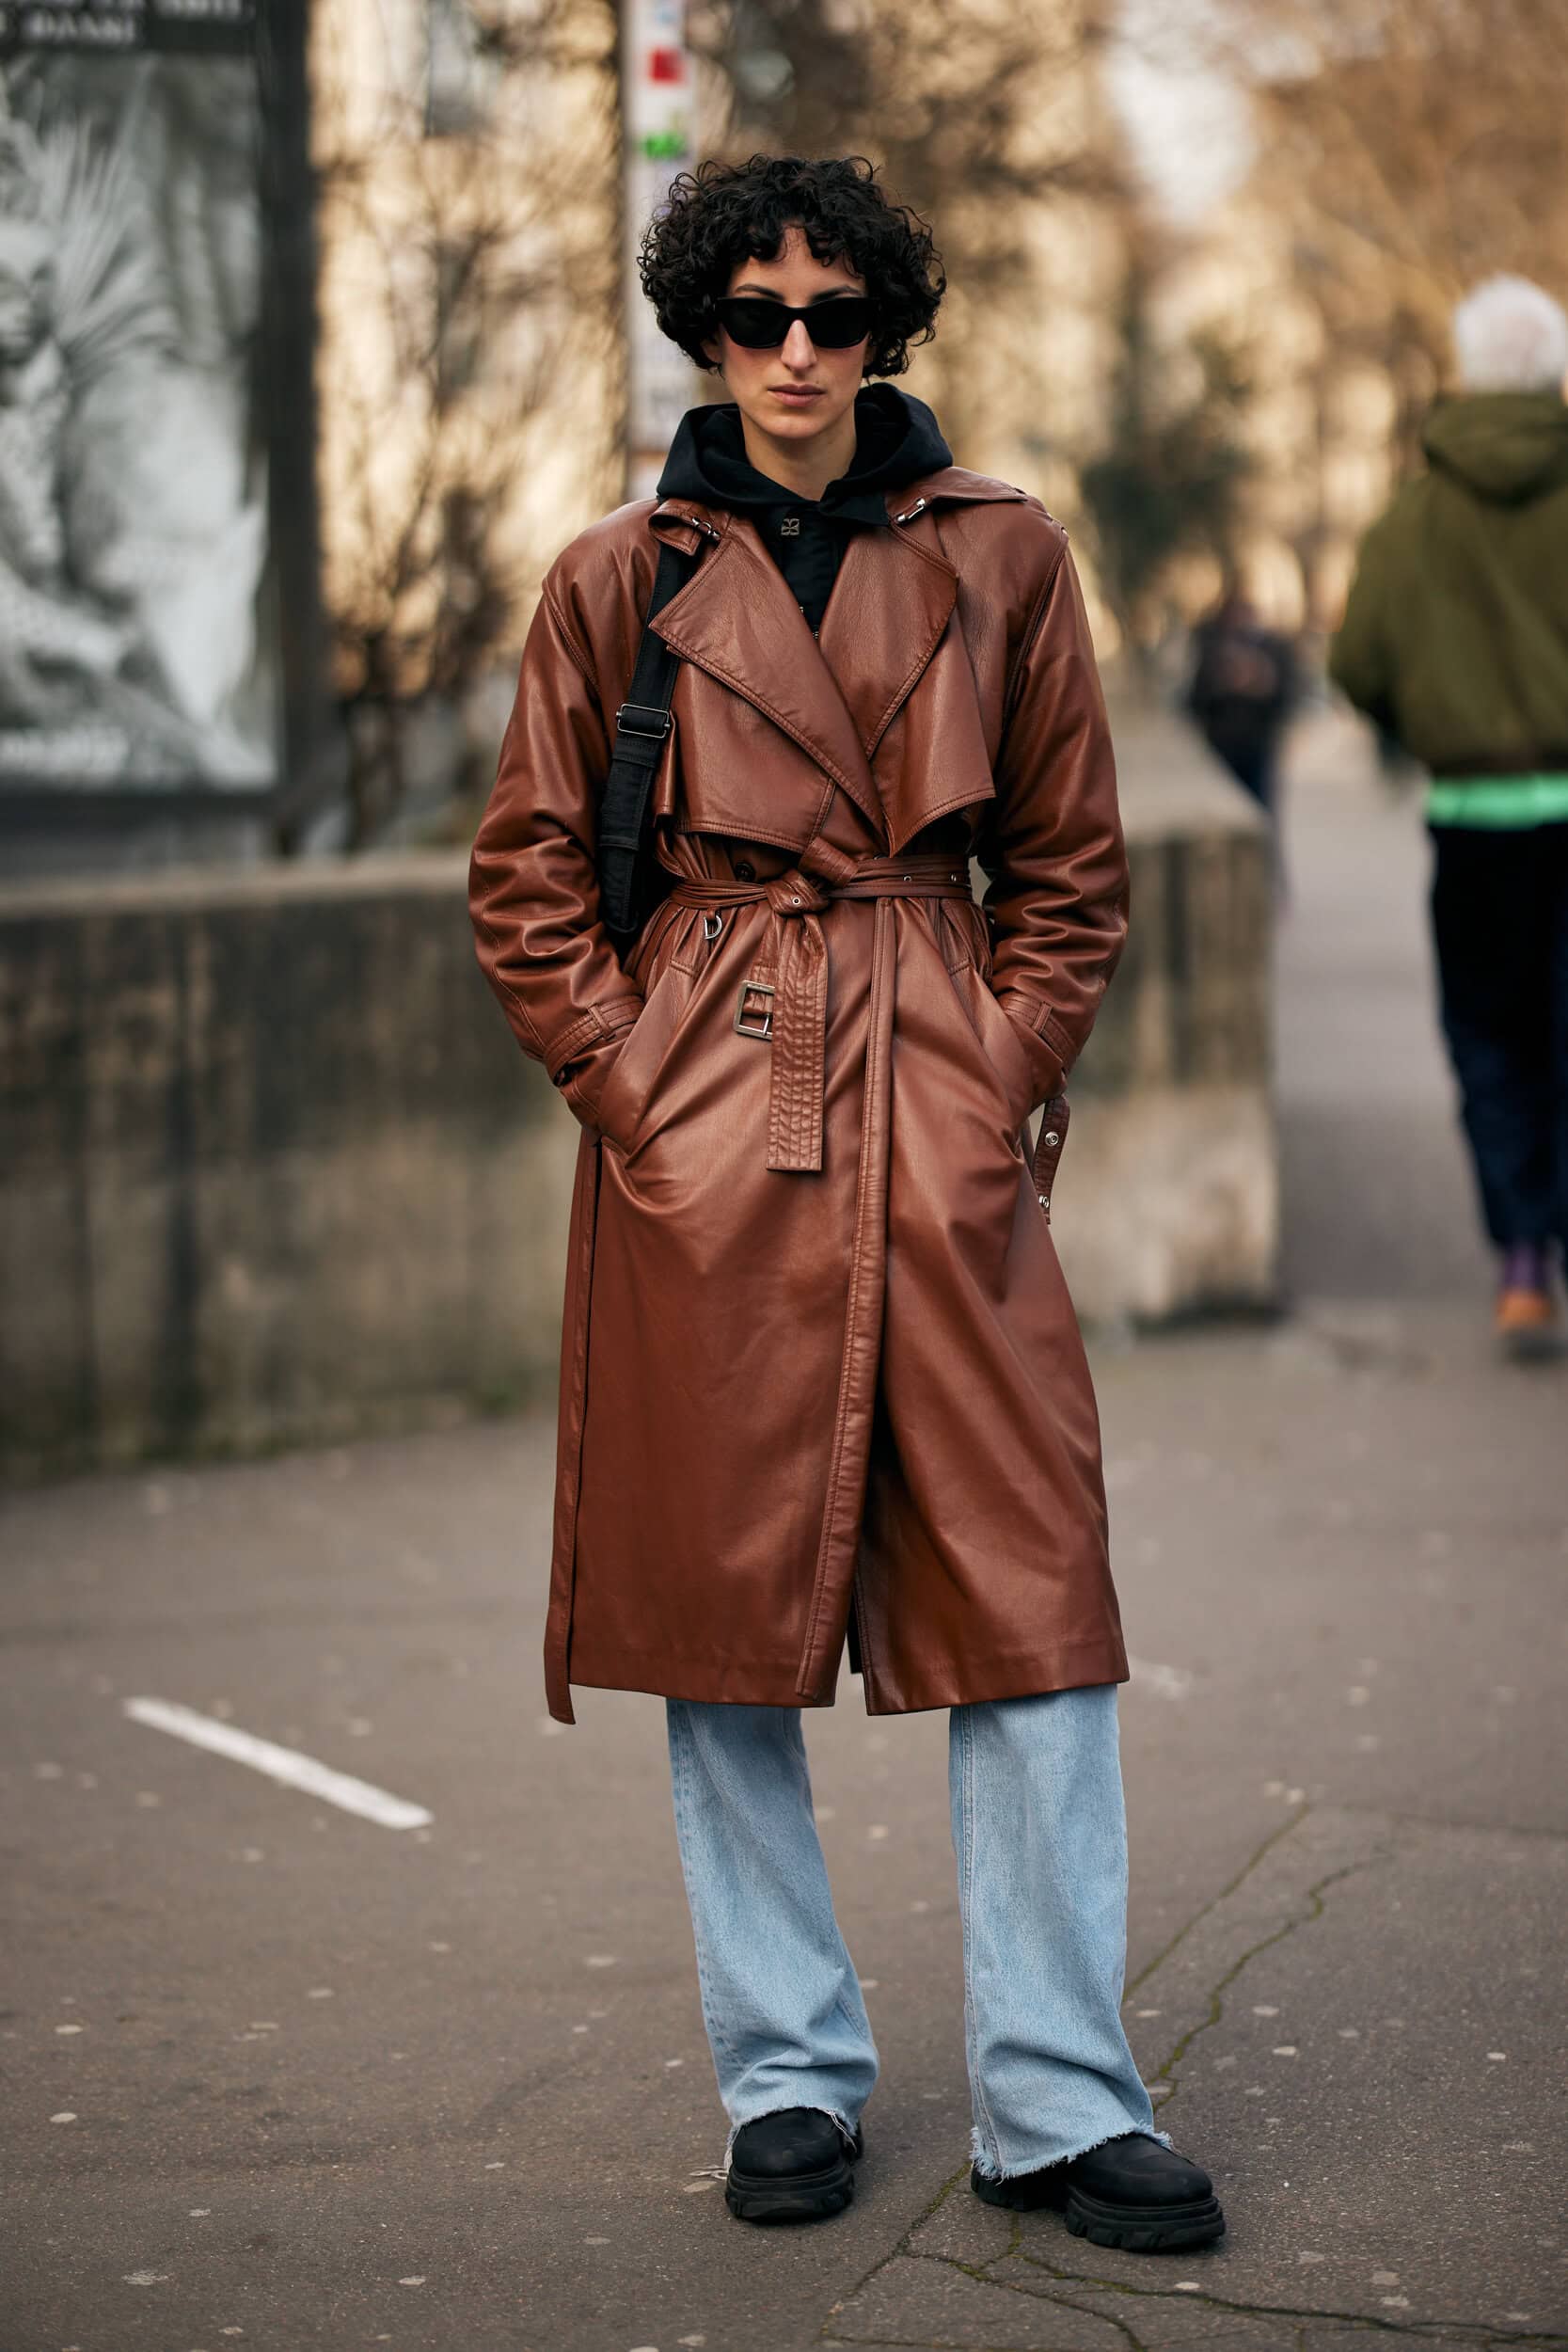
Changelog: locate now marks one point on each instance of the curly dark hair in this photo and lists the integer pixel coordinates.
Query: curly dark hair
(722, 215)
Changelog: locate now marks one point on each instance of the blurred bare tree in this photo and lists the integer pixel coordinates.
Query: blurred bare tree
(468, 184)
(986, 115)
(468, 154)
(1169, 483)
(1411, 147)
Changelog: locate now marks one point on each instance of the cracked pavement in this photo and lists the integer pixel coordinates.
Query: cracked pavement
(1283, 1953)
(332, 2085)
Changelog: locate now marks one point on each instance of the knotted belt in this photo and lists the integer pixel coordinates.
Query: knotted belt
(797, 1025)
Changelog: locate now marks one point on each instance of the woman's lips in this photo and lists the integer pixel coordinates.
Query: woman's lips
(796, 395)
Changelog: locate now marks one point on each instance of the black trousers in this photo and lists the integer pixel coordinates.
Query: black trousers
(1252, 760)
(1500, 918)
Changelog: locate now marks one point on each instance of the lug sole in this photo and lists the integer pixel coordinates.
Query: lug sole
(790, 2197)
(1145, 2229)
(1135, 2229)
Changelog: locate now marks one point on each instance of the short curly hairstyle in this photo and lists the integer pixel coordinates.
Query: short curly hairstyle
(722, 215)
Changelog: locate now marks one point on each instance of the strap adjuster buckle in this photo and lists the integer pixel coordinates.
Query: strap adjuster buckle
(629, 712)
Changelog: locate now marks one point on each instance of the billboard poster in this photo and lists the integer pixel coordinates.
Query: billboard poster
(140, 652)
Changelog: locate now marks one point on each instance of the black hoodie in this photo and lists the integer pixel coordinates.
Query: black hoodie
(897, 440)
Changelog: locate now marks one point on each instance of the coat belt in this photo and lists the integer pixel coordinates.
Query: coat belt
(799, 1027)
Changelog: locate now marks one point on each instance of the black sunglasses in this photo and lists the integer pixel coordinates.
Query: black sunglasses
(758, 323)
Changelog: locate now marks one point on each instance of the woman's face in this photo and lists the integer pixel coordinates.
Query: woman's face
(25, 286)
(798, 390)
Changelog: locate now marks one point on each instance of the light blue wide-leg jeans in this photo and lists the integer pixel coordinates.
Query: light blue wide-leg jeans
(1040, 1835)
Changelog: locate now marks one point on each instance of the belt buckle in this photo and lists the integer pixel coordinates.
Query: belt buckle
(754, 988)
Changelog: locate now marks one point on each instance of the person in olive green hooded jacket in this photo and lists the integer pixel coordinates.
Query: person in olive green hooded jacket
(1455, 644)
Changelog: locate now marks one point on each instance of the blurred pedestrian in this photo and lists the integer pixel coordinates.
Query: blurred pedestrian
(1241, 694)
(1455, 643)
(821, 1377)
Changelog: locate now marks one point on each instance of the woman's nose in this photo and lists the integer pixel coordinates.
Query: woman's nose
(798, 349)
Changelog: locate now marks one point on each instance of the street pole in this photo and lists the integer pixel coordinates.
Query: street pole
(657, 118)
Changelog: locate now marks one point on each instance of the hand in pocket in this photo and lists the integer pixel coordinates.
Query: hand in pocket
(1009, 1057)
(587, 1082)
(1040, 1066)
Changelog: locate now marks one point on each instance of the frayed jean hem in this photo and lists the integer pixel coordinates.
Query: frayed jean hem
(991, 2170)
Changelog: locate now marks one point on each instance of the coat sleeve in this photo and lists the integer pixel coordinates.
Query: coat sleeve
(1052, 850)
(1359, 660)
(532, 884)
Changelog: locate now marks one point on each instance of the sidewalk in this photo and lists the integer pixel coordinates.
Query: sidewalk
(332, 2083)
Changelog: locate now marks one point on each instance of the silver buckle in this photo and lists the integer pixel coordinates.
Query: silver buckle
(625, 723)
(754, 988)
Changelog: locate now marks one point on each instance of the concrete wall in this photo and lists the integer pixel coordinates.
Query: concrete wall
(271, 1168)
(1168, 1202)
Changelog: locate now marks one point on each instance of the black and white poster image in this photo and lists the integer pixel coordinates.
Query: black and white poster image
(132, 489)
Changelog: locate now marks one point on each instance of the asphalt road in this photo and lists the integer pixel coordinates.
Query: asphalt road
(278, 2075)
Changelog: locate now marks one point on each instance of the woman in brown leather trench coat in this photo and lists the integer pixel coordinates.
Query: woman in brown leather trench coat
(821, 1378)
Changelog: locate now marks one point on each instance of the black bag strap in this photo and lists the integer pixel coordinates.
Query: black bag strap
(642, 725)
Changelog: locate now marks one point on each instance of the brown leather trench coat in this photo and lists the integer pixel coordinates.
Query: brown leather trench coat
(820, 1373)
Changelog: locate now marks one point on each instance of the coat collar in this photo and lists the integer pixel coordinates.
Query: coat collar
(950, 486)
(891, 602)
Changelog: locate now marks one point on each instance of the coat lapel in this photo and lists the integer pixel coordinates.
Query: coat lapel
(889, 612)
(890, 602)
(736, 620)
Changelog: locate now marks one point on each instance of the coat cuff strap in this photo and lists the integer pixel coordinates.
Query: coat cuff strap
(599, 1023)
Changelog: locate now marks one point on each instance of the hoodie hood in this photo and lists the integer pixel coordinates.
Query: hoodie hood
(897, 440)
(1505, 447)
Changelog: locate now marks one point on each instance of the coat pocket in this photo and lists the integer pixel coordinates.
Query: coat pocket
(625, 1096)
(1008, 1056)
(1001, 1046)
(679, 964)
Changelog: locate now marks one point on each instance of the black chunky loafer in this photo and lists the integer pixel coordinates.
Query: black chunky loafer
(1132, 2192)
(791, 2166)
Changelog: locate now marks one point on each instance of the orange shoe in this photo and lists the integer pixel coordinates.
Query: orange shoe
(1524, 1319)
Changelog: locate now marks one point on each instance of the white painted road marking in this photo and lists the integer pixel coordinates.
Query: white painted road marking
(282, 1764)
